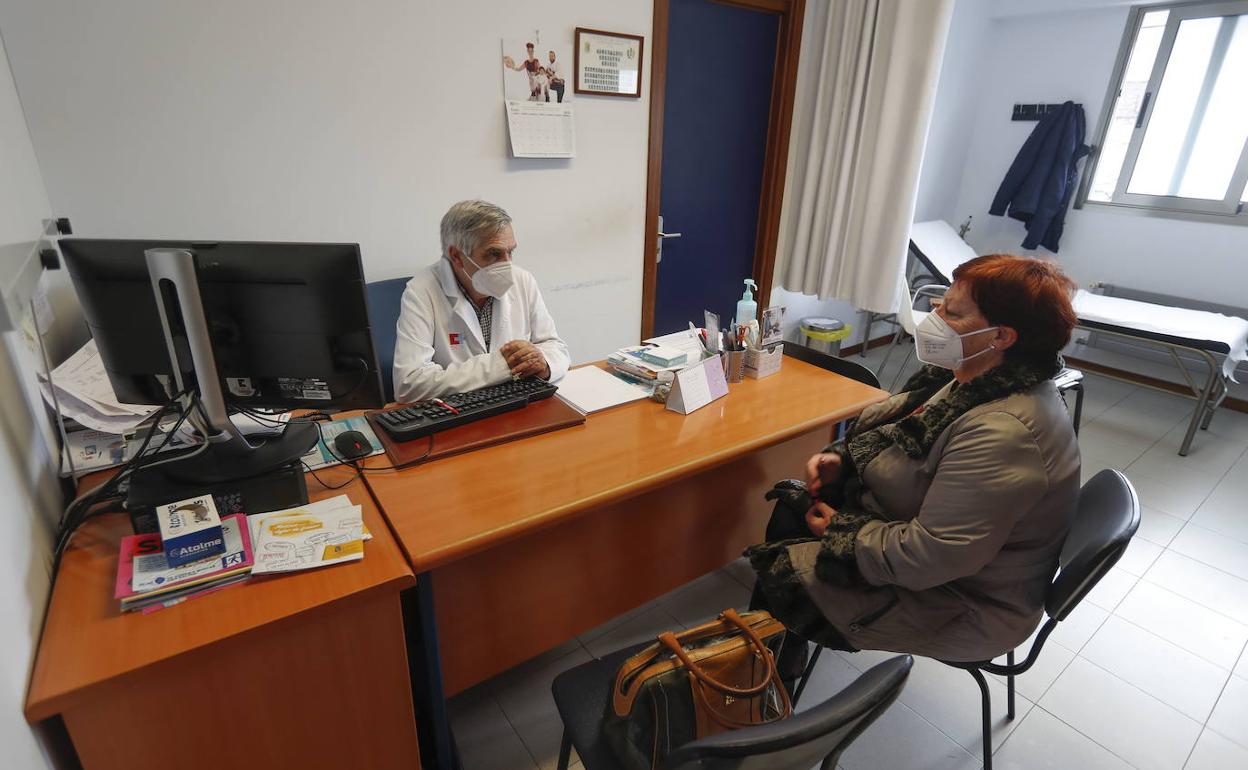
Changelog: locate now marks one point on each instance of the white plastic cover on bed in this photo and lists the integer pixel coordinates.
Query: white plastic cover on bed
(1195, 325)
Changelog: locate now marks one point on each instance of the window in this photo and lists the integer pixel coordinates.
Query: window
(1175, 135)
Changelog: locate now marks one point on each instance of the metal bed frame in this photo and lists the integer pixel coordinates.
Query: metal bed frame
(1208, 397)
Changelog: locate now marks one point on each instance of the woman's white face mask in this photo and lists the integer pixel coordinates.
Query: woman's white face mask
(937, 344)
(494, 280)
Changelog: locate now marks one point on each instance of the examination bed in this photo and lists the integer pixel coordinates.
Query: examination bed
(1206, 334)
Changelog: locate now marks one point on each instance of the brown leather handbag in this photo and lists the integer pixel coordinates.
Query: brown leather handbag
(717, 677)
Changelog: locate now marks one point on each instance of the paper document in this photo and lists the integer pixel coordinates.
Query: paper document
(591, 389)
(326, 532)
(687, 340)
(86, 395)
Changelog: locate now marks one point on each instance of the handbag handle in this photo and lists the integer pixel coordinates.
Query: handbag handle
(734, 724)
(669, 640)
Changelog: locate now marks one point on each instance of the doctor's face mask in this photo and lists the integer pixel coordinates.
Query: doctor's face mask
(492, 276)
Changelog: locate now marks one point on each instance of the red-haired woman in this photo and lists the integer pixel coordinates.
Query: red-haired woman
(935, 527)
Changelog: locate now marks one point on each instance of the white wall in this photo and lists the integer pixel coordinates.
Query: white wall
(957, 93)
(30, 498)
(1070, 55)
(334, 121)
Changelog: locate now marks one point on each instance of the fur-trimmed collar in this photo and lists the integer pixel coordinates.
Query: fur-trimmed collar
(917, 431)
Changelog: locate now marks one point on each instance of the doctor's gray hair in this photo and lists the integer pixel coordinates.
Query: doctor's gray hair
(467, 224)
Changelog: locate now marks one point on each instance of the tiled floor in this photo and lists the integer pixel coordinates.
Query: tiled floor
(1150, 672)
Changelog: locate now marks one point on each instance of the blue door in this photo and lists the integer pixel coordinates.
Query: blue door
(720, 66)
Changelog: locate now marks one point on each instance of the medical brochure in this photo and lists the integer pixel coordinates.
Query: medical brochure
(313, 535)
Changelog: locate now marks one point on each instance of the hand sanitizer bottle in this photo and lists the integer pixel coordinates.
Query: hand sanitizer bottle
(747, 308)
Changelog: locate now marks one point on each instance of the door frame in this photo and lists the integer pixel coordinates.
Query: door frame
(775, 162)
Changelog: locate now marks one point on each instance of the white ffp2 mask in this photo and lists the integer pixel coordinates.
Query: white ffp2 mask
(937, 344)
(494, 280)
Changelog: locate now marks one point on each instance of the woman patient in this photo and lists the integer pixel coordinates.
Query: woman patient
(934, 528)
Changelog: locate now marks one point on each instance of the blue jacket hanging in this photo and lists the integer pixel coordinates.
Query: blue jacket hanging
(1038, 187)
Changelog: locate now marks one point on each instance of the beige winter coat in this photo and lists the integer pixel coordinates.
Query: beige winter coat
(967, 538)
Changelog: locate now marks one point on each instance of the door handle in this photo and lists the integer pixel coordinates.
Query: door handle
(658, 252)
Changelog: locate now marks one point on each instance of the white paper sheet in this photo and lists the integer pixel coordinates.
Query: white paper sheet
(686, 340)
(78, 410)
(82, 375)
(310, 536)
(591, 389)
(86, 395)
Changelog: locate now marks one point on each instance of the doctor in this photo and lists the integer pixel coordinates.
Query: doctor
(474, 319)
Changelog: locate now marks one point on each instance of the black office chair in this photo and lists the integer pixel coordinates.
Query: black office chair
(831, 363)
(797, 743)
(1106, 519)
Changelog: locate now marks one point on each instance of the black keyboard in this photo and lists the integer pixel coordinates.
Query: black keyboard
(424, 418)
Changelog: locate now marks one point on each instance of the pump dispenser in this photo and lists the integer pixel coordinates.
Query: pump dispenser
(747, 308)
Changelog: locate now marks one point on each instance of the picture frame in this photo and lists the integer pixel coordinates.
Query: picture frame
(607, 63)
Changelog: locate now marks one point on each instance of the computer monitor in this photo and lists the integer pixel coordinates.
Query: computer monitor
(251, 325)
(288, 321)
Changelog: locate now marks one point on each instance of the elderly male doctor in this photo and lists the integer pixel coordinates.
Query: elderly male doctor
(474, 318)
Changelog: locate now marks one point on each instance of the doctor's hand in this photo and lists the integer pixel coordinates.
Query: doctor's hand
(823, 468)
(525, 359)
(819, 518)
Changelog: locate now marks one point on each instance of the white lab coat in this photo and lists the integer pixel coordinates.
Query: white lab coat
(440, 348)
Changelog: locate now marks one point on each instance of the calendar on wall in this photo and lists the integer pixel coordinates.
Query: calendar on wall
(540, 118)
(541, 131)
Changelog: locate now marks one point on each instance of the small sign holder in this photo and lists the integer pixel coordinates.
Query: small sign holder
(696, 386)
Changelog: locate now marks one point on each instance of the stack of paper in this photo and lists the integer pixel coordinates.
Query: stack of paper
(85, 394)
(325, 532)
(628, 361)
(591, 389)
(145, 580)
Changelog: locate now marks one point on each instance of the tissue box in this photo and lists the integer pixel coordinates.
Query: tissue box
(763, 363)
(190, 530)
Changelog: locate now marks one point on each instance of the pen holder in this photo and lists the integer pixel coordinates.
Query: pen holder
(734, 365)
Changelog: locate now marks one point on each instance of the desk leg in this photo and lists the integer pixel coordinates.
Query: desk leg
(425, 667)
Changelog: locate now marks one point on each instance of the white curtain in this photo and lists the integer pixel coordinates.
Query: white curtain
(865, 90)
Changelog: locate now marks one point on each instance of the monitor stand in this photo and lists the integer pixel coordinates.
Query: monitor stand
(224, 461)
(229, 455)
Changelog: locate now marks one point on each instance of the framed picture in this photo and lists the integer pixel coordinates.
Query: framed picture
(607, 63)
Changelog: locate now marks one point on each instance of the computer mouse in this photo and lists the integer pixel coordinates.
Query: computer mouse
(352, 445)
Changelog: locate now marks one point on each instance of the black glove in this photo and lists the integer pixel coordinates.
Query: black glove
(792, 494)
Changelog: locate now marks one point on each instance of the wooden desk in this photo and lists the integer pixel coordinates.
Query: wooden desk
(305, 670)
(521, 546)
